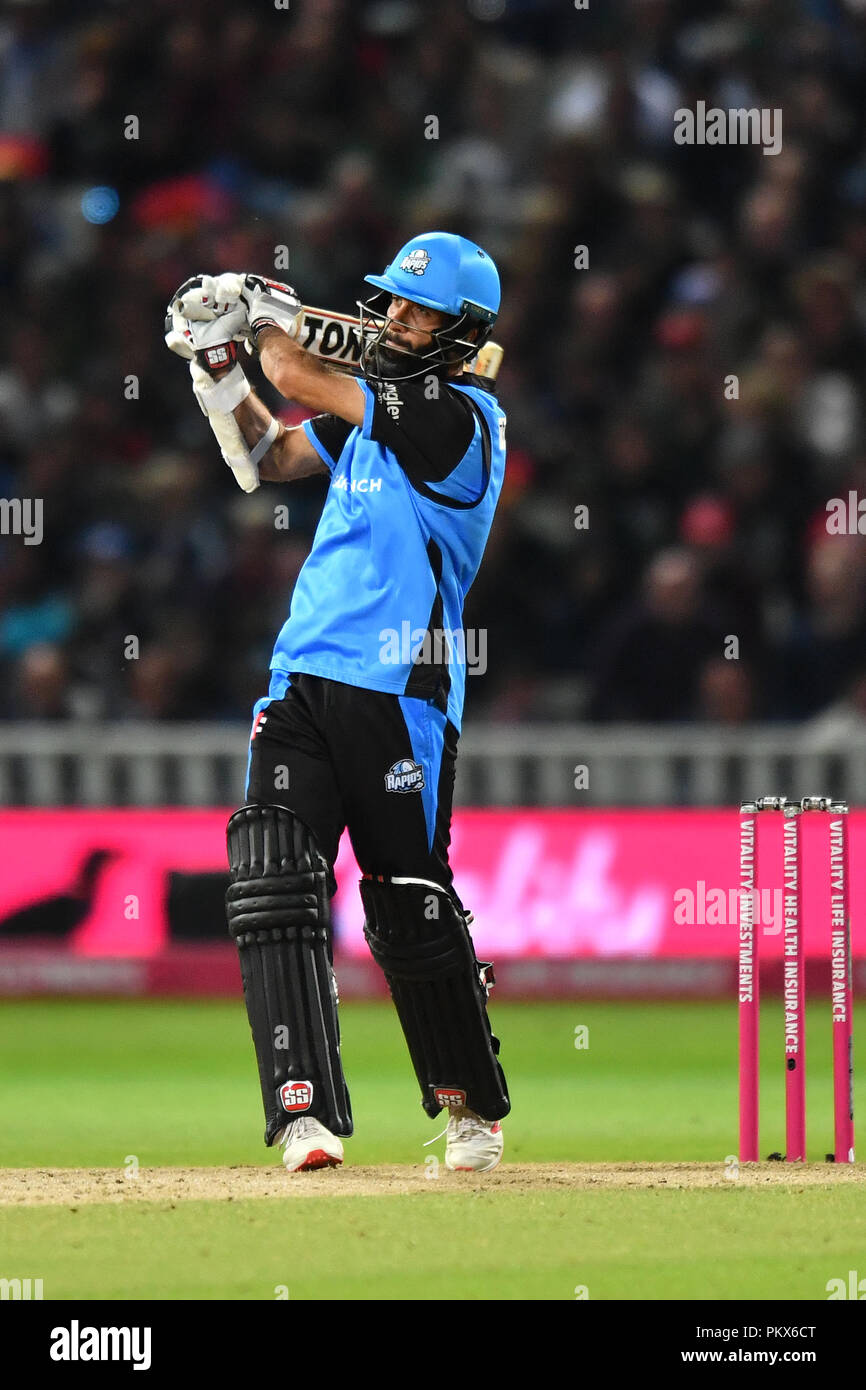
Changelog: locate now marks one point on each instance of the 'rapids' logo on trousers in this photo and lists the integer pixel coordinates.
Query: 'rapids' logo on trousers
(404, 776)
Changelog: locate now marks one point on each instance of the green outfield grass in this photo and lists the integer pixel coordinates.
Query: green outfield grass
(717, 1244)
(87, 1083)
(91, 1084)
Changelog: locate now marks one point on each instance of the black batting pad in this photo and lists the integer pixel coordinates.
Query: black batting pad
(418, 935)
(278, 912)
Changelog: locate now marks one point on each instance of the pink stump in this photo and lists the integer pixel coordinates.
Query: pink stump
(794, 994)
(749, 993)
(842, 996)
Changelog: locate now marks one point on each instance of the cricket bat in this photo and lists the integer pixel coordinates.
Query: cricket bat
(336, 339)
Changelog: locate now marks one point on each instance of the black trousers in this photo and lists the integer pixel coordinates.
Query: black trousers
(378, 764)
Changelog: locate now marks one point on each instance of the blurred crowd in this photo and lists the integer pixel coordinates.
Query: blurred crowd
(695, 380)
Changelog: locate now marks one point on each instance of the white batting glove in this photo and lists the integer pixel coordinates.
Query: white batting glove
(204, 297)
(207, 318)
(271, 304)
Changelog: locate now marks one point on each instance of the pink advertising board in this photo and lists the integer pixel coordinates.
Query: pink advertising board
(603, 885)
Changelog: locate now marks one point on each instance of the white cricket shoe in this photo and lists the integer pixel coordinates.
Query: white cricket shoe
(472, 1145)
(307, 1144)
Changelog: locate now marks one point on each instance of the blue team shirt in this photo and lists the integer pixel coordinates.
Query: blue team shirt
(379, 600)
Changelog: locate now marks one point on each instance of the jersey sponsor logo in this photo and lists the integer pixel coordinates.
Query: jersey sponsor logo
(502, 431)
(416, 262)
(296, 1096)
(405, 776)
(357, 484)
(389, 398)
(449, 1096)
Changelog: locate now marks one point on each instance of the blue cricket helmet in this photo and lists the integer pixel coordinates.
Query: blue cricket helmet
(441, 271)
(444, 271)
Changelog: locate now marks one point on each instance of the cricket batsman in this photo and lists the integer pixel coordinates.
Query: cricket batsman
(359, 728)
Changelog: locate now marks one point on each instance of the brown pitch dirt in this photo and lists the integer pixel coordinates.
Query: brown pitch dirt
(73, 1186)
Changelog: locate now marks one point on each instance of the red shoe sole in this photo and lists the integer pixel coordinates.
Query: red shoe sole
(317, 1158)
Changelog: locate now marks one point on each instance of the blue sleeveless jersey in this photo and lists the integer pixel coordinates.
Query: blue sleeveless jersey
(379, 600)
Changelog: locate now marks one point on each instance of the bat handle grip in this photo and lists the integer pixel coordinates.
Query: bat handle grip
(489, 360)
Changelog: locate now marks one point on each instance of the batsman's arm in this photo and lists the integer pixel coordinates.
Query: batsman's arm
(290, 456)
(297, 375)
(301, 377)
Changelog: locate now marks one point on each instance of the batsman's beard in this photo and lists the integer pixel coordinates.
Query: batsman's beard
(393, 362)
